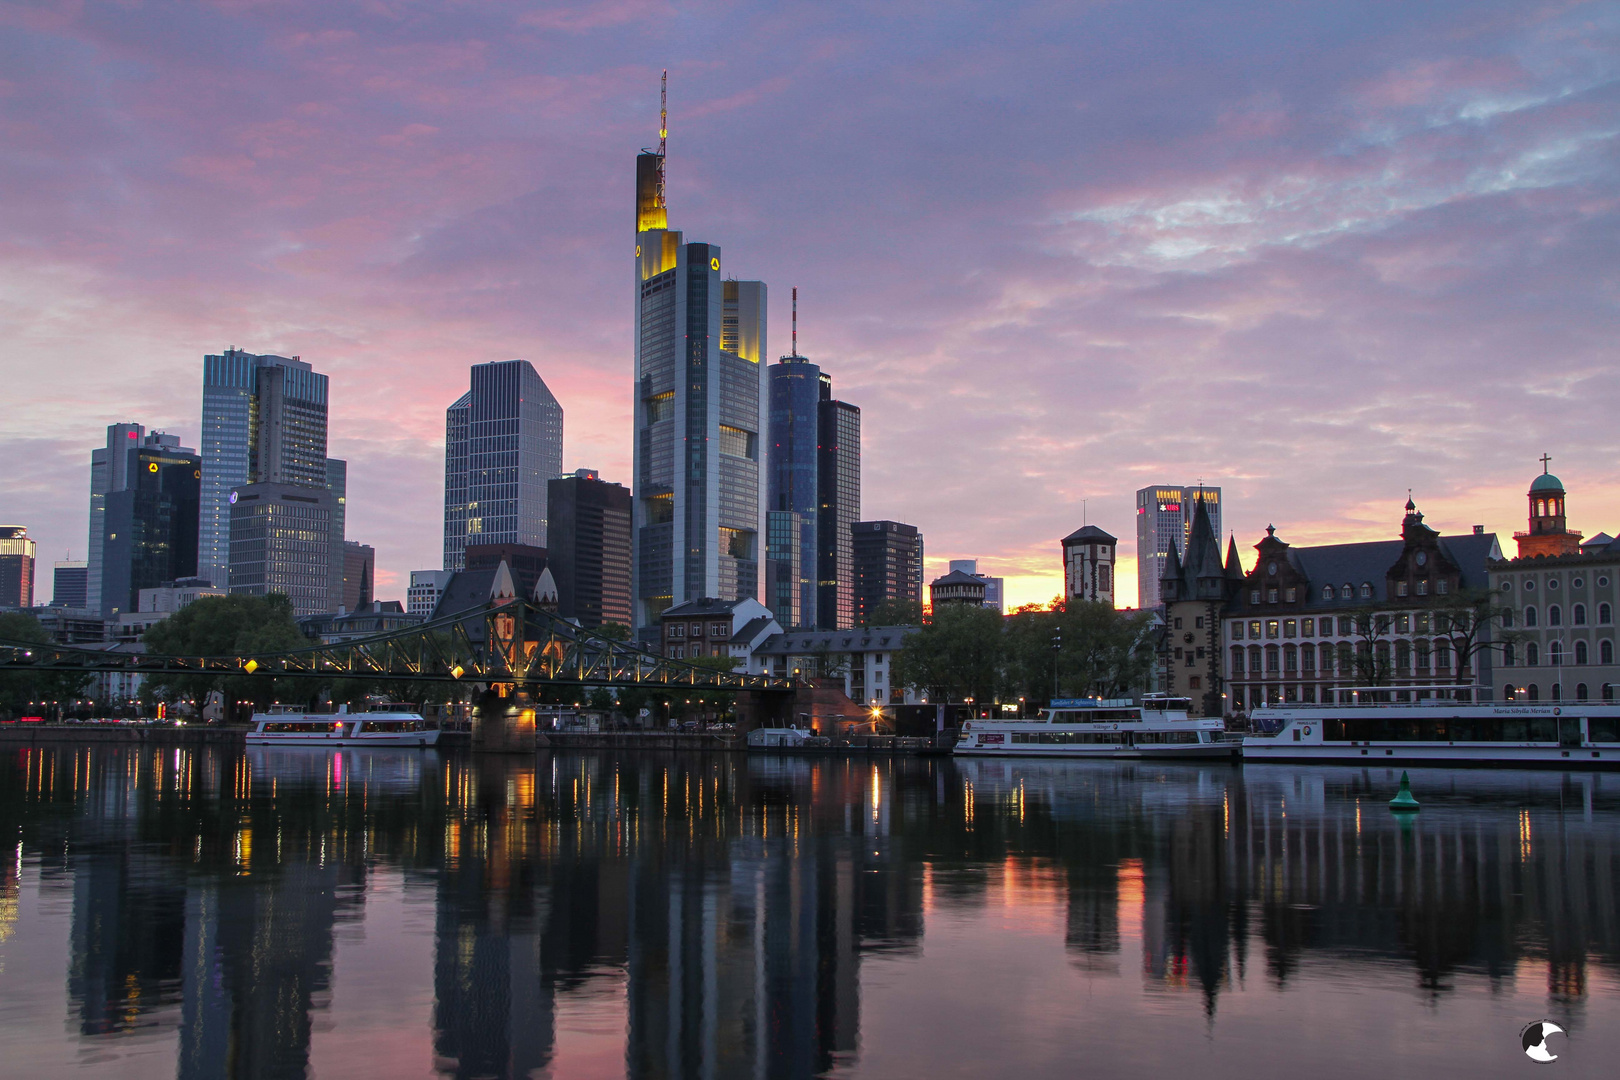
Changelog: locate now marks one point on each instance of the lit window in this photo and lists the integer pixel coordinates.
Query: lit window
(1400, 588)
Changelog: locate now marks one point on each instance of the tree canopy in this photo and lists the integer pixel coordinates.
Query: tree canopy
(18, 688)
(1077, 647)
(229, 626)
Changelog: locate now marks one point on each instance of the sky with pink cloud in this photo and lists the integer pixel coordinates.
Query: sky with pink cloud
(1315, 253)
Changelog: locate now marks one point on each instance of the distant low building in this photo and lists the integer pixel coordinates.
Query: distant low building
(863, 658)
(711, 627)
(71, 585)
(374, 618)
(957, 587)
(425, 589)
(888, 566)
(994, 587)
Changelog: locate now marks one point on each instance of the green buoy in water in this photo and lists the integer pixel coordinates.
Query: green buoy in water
(1403, 798)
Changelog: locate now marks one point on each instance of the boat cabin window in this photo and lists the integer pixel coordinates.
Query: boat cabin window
(392, 725)
(1167, 704)
(289, 727)
(1441, 729)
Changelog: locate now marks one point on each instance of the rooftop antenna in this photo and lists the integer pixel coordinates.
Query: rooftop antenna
(663, 132)
(1083, 520)
(795, 320)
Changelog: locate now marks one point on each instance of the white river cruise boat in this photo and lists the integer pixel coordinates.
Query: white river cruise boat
(343, 729)
(1437, 725)
(1090, 728)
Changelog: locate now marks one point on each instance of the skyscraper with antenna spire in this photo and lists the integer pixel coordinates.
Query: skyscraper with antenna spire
(699, 340)
(813, 494)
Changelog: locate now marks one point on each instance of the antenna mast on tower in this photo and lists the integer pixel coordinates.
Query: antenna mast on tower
(795, 320)
(663, 132)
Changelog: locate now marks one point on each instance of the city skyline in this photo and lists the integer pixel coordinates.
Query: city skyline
(1396, 238)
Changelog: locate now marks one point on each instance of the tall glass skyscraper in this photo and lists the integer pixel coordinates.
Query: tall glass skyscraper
(792, 493)
(503, 445)
(109, 471)
(838, 507)
(698, 340)
(150, 524)
(1164, 516)
(264, 421)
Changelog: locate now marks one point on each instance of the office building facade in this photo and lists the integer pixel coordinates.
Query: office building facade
(70, 586)
(264, 421)
(589, 555)
(1164, 518)
(888, 560)
(16, 567)
(792, 491)
(150, 525)
(503, 444)
(281, 536)
(109, 471)
(359, 570)
(425, 589)
(699, 340)
(838, 507)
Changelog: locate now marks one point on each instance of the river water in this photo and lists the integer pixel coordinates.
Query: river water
(212, 913)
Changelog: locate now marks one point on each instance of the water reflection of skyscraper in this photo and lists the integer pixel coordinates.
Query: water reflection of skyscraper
(737, 896)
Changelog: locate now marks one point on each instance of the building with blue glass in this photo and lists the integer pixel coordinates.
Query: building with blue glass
(150, 524)
(264, 420)
(792, 494)
(503, 445)
(699, 339)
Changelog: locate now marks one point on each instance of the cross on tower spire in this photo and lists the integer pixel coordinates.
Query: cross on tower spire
(1545, 458)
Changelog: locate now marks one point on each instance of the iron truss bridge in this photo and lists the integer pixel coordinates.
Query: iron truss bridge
(508, 641)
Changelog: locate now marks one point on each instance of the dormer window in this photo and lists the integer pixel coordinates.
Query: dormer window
(1366, 591)
(1254, 596)
(1271, 596)
(1400, 588)
(1290, 594)
(1423, 587)
(1327, 592)
(1443, 587)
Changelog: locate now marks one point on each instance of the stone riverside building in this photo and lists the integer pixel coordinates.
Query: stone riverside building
(1304, 616)
(1562, 593)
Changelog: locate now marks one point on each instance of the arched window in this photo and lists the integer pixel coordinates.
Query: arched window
(1555, 653)
(1254, 659)
(1271, 659)
(1327, 592)
(1325, 655)
(1580, 691)
(1604, 616)
(1555, 615)
(1577, 614)
(1507, 692)
(1346, 659)
(1605, 652)
(1366, 591)
(1557, 692)
(1403, 657)
(1508, 654)
(1422, 656)
(1529, 616)
(1237, 661)
(1290, 658)
(1507, 618)
(1532, 692)
(1608, 691)
(1442, 654)
(1532, 656)
(1580, 652)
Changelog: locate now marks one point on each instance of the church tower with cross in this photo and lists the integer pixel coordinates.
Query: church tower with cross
(1549, 533)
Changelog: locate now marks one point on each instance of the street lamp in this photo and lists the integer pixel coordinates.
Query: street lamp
(1057, 646)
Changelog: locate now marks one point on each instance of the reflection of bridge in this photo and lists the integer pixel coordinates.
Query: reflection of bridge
(509, 646)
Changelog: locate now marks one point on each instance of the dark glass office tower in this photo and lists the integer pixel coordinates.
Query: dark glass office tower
(503, 444)
(16, 567)
(71, 585)
(264, 421)
(590, 548)
(109, 471)
(696, 487)
(888, 558)
(150, 525)
(793, 495)
(838, 483)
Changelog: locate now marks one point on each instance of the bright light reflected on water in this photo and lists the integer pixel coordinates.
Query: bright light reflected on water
(193, 913)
